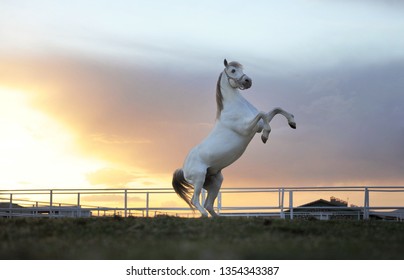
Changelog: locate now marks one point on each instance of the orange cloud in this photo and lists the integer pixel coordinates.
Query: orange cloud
(111, 177)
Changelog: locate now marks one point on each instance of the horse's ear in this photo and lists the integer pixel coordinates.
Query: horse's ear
(225, 62)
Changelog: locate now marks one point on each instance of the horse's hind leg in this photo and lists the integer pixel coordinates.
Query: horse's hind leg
(213, 187)
(198, 181)
(196, 199)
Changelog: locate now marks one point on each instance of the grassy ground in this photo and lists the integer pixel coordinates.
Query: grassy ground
(176, 238)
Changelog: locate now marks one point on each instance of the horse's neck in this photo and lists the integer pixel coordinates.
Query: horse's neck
(234, 104)
(232, 97)
(229, 93)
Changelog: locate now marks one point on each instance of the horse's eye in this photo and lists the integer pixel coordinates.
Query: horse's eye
(233, 71)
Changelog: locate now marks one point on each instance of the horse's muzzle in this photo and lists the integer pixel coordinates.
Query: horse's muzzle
(247, 83)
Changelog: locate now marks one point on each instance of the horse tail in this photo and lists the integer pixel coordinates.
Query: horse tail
(182, 187)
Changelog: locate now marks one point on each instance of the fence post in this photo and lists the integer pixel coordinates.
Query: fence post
(78, 205)
(11, 205)
(126, 203)
(219, 202)
(291, 204)
(281, 202)
(366, 205)
(147, 204)
(50, 203)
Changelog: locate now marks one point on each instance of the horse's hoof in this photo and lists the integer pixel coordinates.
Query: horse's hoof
(204, 215)
(264, 139)
(292, 125)
(214, 215)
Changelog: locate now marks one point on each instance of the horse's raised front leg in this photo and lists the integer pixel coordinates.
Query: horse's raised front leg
(261, 123)
(287, 115)
(267, 118)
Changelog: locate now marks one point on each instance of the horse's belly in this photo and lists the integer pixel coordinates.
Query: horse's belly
(220, 152)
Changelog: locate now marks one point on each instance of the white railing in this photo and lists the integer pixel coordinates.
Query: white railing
(281, 202)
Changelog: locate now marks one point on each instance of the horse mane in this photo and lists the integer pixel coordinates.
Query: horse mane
(219, 97)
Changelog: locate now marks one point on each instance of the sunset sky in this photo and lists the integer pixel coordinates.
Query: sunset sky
(115, 93)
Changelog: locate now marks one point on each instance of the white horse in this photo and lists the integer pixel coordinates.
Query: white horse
(237, 121)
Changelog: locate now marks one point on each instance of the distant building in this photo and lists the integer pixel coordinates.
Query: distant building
(6, 208)
(321, 209)
(65, 211)
(396, 215)
(13, 210)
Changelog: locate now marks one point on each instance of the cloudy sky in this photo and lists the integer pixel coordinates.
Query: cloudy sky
(115, 93)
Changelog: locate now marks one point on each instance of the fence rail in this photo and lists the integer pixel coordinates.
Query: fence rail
(74, 202)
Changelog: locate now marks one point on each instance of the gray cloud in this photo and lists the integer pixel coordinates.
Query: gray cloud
(350, 129)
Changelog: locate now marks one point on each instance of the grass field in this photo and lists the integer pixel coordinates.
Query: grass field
(178, 238)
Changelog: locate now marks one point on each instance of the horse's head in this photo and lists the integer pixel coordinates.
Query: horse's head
(236, 76)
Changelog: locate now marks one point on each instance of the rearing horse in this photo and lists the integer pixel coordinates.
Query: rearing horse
(237, 121)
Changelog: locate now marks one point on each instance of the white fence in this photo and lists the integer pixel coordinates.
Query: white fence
(382, 202)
